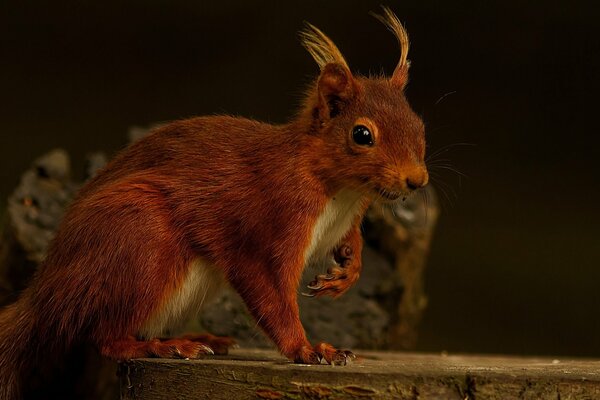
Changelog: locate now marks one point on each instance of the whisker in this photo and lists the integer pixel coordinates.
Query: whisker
(394, 214)
(449, 188)
(438, 160)
(438, 181)
(425, 197)
(441, 186)
(446, 148)
(438, 128)
(429, 203)
(450, 168)
(443, 97)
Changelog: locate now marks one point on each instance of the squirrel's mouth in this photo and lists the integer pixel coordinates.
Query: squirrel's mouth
(389, 195)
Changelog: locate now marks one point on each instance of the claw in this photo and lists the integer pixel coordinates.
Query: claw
(177, 351)
(320, 278)
(308, 294)
(343, 357)
(316, 286)
(207, 349)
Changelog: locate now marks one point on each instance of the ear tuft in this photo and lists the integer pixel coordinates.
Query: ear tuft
(321, 48)
(391, 21)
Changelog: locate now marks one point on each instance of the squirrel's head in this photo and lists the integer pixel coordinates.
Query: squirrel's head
(371, 137)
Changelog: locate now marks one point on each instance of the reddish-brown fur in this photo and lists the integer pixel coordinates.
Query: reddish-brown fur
(241, 194)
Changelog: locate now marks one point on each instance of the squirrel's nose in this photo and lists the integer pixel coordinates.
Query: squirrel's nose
(417, 179)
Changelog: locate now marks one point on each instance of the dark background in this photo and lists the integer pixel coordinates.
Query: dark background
(514, 264)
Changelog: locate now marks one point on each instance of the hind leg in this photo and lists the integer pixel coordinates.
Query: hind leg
(132, 270)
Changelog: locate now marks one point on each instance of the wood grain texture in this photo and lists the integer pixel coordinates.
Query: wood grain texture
(252, 374)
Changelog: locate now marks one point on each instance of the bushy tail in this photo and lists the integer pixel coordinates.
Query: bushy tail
(16, 355)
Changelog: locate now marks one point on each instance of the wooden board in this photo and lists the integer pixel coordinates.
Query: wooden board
(262, 374)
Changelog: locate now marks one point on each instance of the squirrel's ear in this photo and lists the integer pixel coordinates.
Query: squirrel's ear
(336, 88)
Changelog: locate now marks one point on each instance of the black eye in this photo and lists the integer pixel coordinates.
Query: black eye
(362, 135)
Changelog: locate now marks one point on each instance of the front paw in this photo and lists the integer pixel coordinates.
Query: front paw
(338, 279)
(323, 352)
(343, 254)
(307, 355)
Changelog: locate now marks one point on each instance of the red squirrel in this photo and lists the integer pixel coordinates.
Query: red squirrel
(217, 200)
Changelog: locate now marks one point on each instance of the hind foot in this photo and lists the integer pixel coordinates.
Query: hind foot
(125, 349)
(219, 344)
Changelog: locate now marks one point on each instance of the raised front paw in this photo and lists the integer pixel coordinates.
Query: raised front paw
(343, 254)
(339, 278)
(323, 352)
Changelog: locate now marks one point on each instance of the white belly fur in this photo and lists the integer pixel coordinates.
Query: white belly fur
(201, 285)
(204, 281)
(332, 225)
